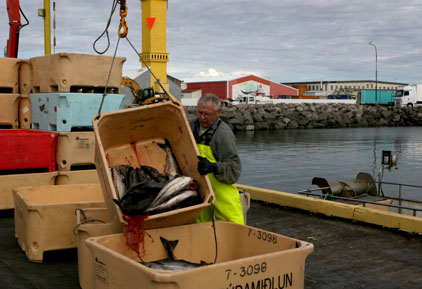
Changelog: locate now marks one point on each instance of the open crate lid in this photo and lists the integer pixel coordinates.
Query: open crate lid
(130, 137)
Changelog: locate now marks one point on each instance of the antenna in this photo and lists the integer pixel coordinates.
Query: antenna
(54, 26)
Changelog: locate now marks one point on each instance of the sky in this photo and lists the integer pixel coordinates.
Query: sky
(279, 40)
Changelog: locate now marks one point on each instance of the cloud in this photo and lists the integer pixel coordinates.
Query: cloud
(283, 41)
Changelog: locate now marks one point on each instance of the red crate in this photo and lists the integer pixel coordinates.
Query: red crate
(28, 149)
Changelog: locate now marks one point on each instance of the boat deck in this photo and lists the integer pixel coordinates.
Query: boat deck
(346, 254)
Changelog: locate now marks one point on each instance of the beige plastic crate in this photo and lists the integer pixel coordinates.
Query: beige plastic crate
(75, 148)
(9, 73)
(77, 177)
(45, 216)
(88, 228)
(130, 137)
(25, 76)
(9, 182)
(72, 72)
(247, 258)
(9, 107)
(25, 112)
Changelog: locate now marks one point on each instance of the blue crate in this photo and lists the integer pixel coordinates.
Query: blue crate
(62, 111)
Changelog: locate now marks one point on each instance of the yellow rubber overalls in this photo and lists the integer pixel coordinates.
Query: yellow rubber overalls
(227, 203)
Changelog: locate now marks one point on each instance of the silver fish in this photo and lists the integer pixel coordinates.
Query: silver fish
(175, 185)
(119, 174)
(174, 201)
(172, 169)
(171, 263)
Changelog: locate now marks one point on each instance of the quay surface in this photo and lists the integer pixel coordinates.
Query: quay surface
(346, 254)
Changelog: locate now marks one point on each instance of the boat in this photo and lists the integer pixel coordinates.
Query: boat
(362, 199)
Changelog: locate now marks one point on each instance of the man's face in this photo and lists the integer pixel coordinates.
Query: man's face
(207, 115)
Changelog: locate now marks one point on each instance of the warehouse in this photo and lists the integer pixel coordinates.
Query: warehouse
(231, 87)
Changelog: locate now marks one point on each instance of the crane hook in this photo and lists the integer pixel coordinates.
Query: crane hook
(122, 32)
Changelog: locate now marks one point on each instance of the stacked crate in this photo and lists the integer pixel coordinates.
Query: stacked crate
(67, 91)
(9, 92)
(46, 108)
(27, 156)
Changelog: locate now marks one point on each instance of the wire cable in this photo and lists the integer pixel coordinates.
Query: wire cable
(149, 69)
(215, 231)
(113, 8)
(108, 79)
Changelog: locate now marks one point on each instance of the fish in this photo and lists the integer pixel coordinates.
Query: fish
(172, 188)
(171, 263)
(151, 173)
(139, 197)
(183, 199)
(125, 177)
(172, 169)
(118, 174)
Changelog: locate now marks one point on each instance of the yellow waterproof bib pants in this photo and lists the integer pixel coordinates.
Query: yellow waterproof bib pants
(227, 204)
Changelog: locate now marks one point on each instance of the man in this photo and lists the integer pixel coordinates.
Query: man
(218, 159)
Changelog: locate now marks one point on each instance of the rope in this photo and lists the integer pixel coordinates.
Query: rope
(85, 220)
(215, 231)
(149, 69)
(113, 8)
(108, 79)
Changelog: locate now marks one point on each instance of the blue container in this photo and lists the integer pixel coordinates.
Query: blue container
(67, 111)
(367, 96)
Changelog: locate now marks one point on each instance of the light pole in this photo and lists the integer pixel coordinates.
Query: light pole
(376, 71)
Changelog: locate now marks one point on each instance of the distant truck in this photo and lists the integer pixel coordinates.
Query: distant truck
(409, 95)
(384, 97)
(251, 99)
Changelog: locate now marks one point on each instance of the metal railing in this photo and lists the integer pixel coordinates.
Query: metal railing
(400, 199)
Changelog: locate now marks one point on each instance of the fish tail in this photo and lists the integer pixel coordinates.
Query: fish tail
(169, 246)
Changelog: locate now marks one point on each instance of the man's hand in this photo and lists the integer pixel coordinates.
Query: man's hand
(205, 166)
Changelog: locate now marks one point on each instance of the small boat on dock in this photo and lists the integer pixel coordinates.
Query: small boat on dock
(362, 199)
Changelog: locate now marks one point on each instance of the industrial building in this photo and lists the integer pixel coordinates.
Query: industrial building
(231, 87)
(324, 89)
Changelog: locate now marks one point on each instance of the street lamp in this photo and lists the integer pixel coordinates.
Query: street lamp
(376, 71)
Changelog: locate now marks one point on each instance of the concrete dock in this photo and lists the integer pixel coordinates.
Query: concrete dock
(346, 254)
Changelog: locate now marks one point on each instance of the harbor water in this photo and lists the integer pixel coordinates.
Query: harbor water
(287, 160)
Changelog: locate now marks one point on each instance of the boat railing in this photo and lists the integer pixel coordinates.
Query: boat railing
(399, 199)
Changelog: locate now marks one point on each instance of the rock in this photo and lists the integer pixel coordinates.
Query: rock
(314, 115)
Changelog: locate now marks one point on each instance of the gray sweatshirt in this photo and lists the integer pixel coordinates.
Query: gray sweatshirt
(224, 148)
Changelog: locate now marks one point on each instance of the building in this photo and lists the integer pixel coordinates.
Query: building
(323, 89)
(231, 87)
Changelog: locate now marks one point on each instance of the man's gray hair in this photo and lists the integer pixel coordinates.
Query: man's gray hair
(215, 100)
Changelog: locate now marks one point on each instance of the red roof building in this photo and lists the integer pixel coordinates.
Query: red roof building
(230, 87)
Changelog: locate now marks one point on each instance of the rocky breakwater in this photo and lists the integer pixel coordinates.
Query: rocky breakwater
(306, 116)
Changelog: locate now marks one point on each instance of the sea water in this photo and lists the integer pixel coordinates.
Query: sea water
(287, 160)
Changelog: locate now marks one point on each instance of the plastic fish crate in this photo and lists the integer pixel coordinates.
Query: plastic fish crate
(25, 76)
(75, 149)
(9, 182)
(9, 73)
(85, 230)
(66, 111)
(9, 108)
(130, 137)
(72, 72)
(247, 258)
(45, 216)
(25, 112)
(77, 177)
(28, 149)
